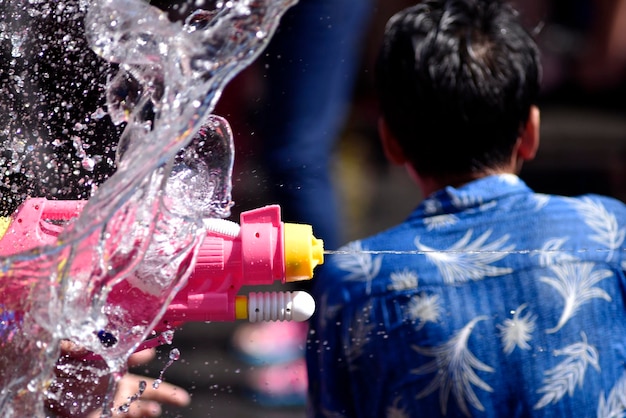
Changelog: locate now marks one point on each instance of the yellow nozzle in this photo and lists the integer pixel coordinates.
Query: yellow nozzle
(302, 252)
(4, 225)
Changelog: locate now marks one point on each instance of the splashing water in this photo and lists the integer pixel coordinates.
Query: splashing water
(115, 268)
(125, 407)
(174, 355)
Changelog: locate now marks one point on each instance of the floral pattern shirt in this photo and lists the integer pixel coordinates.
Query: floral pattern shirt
(490, 300)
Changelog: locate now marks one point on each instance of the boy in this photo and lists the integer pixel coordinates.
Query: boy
(490, 300)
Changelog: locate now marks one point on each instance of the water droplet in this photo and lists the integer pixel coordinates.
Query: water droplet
(88, 164)
(168, 336)
(98, 114)
(174, 354)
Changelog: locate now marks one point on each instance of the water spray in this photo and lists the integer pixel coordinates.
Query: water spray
(102, 273)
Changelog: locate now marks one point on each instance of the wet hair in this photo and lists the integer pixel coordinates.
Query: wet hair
(456, 80)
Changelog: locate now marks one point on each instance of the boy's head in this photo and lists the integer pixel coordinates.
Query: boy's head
(456, 80)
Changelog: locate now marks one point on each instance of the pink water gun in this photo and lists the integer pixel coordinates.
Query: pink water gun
(261, 250)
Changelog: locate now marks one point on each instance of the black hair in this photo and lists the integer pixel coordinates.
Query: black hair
(456, 80)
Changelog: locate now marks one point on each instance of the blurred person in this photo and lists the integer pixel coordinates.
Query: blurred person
(309, 70)
(489, 300)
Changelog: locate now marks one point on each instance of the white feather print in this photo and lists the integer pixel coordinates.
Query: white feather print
(464, 200)
(551, 252)
(454, 367)
(487, 205)
(541, 200)
(440, 221)
(565, 376)
(423, 308)
(431, 205)
(403, 280)
(615, 405)
(467, 260)
(575, 283)
(623, 265)
(604, 224)
(361, 265)
(516, 332)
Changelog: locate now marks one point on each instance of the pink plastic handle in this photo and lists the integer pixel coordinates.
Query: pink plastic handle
(31, 227)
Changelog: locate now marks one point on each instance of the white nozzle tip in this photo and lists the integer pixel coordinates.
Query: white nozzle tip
(302, 306)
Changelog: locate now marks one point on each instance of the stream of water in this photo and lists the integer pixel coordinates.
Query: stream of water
(115, 268)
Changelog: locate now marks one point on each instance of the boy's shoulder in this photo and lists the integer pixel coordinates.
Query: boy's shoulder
(592, 203)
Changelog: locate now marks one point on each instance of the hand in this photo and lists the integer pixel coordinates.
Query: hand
(80, 386)
(149, 403)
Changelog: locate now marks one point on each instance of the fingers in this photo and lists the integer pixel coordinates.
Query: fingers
(146, 404)
(70, 349)
(165, 393)
(73, 351)
(141, 409)
(138, 409)
(149, 403)
(141, 357)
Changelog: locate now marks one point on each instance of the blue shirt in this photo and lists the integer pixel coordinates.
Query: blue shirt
(490, 300)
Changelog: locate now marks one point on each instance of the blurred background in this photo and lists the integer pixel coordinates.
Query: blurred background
(583, 109)
(583, 150)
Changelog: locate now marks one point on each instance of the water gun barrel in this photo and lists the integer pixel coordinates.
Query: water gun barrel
(261, 250)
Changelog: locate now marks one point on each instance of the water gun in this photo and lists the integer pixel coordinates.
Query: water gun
(261, 250)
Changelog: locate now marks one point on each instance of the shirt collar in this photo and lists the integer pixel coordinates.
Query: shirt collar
(471, 195)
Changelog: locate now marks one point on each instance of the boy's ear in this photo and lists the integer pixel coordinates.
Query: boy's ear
(529, 138)
(392, 149)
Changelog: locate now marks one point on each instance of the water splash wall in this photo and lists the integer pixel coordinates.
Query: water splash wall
(116, 267)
